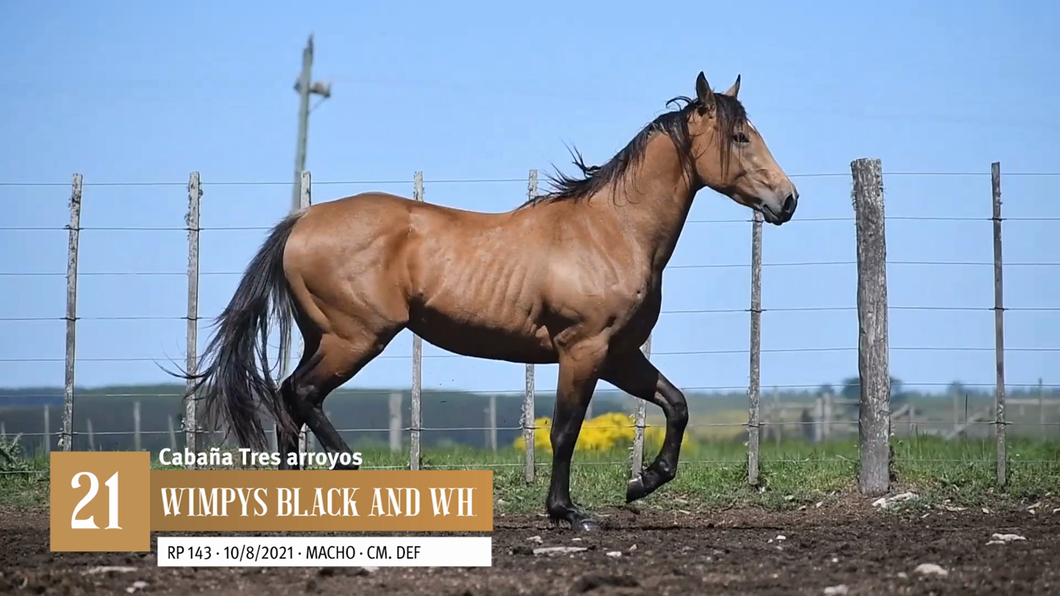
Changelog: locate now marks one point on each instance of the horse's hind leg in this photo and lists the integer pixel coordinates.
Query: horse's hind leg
(578, 366)
(336, 360)
(287, 443)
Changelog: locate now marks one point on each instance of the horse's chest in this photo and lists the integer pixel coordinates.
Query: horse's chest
(643, 312)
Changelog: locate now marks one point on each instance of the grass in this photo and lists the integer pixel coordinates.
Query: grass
(712, 475)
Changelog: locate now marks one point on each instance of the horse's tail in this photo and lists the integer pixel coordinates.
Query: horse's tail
(230, 382)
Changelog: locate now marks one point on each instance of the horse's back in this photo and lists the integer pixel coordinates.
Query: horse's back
(398, 203)
(378, 233)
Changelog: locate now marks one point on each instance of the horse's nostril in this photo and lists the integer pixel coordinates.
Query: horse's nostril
(789, 204)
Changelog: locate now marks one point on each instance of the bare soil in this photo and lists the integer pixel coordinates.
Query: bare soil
(738, 551)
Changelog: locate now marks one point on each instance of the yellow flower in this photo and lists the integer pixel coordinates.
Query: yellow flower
(602, 433)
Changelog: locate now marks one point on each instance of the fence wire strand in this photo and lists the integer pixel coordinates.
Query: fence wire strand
(777, 411)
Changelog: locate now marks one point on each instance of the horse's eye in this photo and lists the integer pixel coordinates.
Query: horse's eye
(740, 138)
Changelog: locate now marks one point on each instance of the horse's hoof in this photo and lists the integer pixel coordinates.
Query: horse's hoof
(586, 525)
(572, 517)
(636, 490)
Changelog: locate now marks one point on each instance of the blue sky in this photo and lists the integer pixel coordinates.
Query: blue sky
(144, 92)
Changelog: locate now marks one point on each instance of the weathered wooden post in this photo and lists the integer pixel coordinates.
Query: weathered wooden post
(528, 391)
(71, 316)
(416, 424)
(999, 328)
(191, 426)
(755, 378)
(639, 416)
(874, 417)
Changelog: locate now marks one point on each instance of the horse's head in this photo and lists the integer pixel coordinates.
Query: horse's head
(732, 158)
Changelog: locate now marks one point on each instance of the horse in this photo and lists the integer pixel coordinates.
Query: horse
(572, 277)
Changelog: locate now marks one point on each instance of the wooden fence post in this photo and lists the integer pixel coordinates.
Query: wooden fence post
(46, 435)
(873, 363)
(416, 422)
(956, 412)
(191, 426)
(395, 421)
(71, 315)
(776, 419)
(491, 423)
(137, 439)
(1041, 411)
(639, 416)
(999, 326)
(755, 379)
(828, 415)
(528, 390)
(305, 199)
(818, 420)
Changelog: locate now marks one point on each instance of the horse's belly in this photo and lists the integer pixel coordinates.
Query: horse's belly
(482, 334)
(478, 295)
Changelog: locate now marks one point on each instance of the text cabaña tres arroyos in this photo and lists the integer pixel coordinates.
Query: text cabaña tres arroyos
(248, 457)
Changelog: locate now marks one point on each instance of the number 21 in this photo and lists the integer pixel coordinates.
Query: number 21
(93, 488)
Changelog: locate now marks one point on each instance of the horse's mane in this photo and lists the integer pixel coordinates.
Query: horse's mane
(729, 113)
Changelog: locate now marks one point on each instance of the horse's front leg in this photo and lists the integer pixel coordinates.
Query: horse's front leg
(633, 373)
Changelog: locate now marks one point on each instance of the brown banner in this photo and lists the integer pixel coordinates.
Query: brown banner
(321, 500)
(98, 501)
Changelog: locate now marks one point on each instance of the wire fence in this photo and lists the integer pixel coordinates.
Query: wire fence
(871, 413)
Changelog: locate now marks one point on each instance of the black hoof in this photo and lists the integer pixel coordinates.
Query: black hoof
(574, 518)
(638, 489)
(587, 525)
(648, 481)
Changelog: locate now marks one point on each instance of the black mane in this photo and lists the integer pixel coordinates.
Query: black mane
(730, 113)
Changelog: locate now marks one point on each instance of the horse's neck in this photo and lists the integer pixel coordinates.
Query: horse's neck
(654, 200)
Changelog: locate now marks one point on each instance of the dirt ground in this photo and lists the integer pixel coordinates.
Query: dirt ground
(729, 552)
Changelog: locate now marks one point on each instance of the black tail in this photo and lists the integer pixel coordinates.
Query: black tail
(232, 379)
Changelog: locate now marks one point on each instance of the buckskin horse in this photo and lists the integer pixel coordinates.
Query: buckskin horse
(572, 276)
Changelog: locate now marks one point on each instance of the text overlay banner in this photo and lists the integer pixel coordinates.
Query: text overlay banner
(322, 500)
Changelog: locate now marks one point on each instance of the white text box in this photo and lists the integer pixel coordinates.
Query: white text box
(325, 551)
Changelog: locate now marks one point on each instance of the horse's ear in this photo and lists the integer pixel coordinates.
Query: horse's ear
(703, 92)
(735, 89)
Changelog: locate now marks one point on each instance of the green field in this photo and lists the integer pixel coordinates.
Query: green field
(712, 475)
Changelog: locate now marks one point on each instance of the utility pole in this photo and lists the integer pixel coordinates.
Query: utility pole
(305, 88)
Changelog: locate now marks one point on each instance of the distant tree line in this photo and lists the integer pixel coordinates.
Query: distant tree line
(366, 411)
